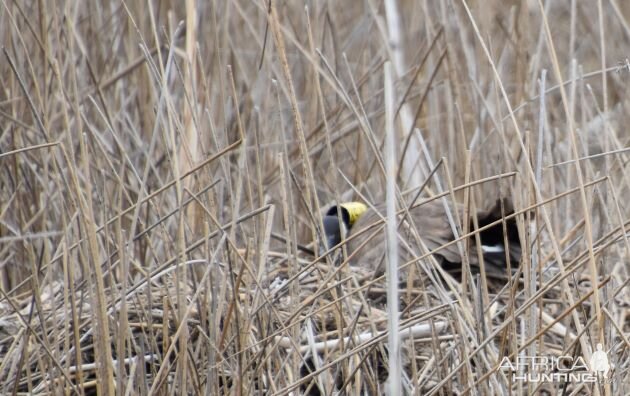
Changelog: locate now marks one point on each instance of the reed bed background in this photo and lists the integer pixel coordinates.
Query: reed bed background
(164, 165)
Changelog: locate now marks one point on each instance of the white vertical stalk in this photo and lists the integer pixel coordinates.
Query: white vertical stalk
(397, 55)
(532, 325)
(392, 236)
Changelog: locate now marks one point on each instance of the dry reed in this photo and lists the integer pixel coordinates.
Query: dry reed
(164, 167)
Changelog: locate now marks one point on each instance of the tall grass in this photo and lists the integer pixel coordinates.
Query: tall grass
(164, 167)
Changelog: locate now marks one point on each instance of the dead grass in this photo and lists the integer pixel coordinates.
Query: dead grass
(163, 167)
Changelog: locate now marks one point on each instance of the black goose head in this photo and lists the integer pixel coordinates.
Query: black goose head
(349, 213)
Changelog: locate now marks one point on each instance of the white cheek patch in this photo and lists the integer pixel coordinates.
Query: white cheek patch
(355, 210)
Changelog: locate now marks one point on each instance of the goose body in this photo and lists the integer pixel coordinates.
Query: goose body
(428, 224)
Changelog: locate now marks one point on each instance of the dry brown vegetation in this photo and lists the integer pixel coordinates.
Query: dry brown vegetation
(163, 167)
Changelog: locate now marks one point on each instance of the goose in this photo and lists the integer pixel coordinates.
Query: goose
(365, 240)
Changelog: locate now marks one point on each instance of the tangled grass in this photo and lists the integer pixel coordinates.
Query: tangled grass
(164, 167)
